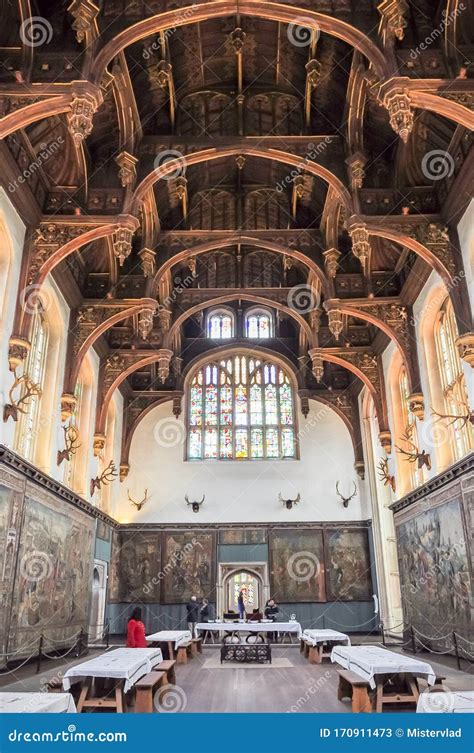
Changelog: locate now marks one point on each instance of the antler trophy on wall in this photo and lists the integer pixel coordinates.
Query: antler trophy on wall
(466, 416)
(140, 504)
(288, 503)
(413, 454)
(346, 500)
(195, 505)
(71, 437)
(28, 389)
(107, 475)
(385, 475)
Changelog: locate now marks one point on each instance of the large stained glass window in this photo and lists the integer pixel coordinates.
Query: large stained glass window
(220, 325)
(241, 408)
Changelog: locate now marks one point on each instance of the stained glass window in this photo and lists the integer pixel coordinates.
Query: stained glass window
(220, 325)
(241, 408)
(258, 324)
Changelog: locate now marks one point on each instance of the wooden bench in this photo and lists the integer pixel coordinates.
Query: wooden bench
(196, 646)
(167, 666)
(183, 650)
(356, 688)
(145, 690)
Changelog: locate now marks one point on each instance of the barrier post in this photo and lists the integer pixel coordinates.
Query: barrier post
(413, 640)
(40, 655)
(456, 650)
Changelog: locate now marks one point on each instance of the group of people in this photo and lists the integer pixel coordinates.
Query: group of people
(196, 612)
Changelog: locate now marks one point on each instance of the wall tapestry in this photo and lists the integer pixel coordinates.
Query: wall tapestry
(136, 567)
(297, 565)
(10, 503)
(348, 565)
(243, 536)
(53, 581)
(189, 565)
(434, 570)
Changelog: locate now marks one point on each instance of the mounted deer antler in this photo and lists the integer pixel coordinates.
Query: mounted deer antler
(107, 475)
(414, 455)
(465, 418)
(385, 475)
(346, 500)
(71, 436)
(30, 389)
(288, 503)
(140, 504)
(195, 505)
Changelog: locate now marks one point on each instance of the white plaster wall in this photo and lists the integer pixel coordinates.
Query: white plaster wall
(466, 241)
(241, 491)
(9, 275)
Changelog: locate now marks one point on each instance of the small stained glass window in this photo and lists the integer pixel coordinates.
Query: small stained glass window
(220, 325)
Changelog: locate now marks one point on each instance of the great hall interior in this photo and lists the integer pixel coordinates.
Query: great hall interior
(237, 351)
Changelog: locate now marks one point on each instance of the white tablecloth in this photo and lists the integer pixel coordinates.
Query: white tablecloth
(127, 664)
(313, 637)
(167, 636)
(37, 703)
(252, 627)
(368, 661)
(446, 702)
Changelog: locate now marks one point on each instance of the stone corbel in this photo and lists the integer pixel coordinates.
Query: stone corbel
(465, 345)
(145, 322)
(385, 438)
(331, 261)
(359, 234)
(164, 360)
(85, 14)
(123, 471)
(317, 364)
(416, 404)
(177, 404)
(148, 262)
(18, 350)
(304, 399)
(68, 406)
(99, 444)
(394, 13)
(359, 467)
(356, 169)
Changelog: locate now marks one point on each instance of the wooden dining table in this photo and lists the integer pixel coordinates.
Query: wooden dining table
(122, 666)
(392, 676)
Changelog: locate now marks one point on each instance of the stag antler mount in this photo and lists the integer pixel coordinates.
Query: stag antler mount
(195, 505)
(71, 436)
(346, 500)
(385, 475)
(466, 417)
(107, 475)
(414, 455)
(288, 503)
(140, 504)
(30, 389)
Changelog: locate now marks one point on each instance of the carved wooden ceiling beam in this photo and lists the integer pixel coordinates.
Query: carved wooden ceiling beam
(243, 240)
(178, 166)
(257, 8)
(243, 295)
(92, 320)
(367, 366)
(392, 317)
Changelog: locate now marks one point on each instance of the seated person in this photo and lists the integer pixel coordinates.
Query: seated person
(136, 630)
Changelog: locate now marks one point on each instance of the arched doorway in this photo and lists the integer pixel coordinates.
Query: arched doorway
(252, 578)
(97, 612)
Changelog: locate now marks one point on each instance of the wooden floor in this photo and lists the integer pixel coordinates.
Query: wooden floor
(298, 688)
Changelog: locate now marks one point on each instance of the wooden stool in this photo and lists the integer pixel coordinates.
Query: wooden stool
(196, 646)
(167, 666)
(145, 690)
(182, 654)
(355, 687)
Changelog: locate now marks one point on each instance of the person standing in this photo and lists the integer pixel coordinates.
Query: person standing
(136, 630)
(204, 611)
(192, 608)
(241, 604)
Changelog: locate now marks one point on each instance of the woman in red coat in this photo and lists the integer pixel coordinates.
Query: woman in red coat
(136, 630)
